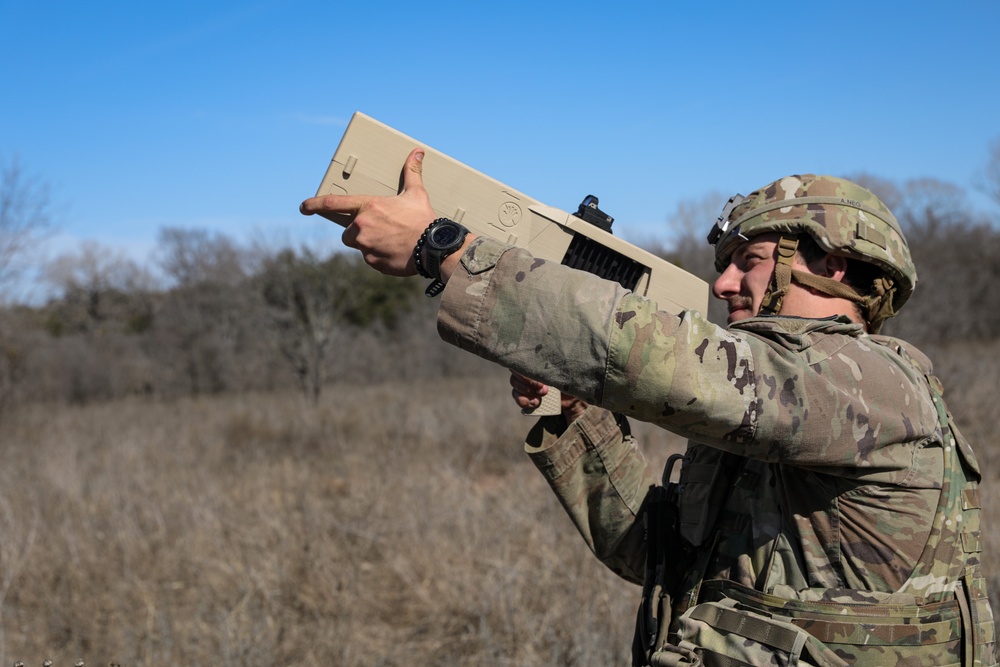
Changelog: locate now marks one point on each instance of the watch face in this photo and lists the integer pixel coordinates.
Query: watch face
(445, 235)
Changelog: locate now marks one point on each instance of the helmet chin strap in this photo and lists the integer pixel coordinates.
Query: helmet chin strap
(781, 278)
(877, 307)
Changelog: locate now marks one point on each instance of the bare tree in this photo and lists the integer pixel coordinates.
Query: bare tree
(205, 338)
(315, 304)
(24, 223)
(192, 256)
(24, 220)
(302, 304)
(16, 345)
(989, 179)
(96, 275)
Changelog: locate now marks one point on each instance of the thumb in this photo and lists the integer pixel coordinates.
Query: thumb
(413, 170)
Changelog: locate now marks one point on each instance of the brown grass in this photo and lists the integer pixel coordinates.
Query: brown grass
(387, 526)
(390, 525)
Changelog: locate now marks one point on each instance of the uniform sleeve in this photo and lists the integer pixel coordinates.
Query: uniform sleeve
(601, 479)
(596, 340)
(504, 305)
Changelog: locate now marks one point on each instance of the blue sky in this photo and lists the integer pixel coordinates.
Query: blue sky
(224, 115)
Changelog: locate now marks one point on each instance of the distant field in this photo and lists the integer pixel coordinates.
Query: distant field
(389, 525)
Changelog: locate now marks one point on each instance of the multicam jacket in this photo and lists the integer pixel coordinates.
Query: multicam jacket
(827, 509)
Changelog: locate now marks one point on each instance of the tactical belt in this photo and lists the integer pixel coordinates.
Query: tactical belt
(867, 628)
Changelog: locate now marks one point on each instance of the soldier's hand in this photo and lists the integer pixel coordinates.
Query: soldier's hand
(384, 229)
(528, 393)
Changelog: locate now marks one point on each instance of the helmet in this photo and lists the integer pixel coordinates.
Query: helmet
(842, 217)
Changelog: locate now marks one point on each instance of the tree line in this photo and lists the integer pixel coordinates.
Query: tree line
(231, 318)
(218, 315)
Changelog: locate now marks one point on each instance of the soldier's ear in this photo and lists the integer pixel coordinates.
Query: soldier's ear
(831, 266)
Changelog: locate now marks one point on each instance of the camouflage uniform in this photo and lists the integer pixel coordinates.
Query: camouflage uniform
(828, 491)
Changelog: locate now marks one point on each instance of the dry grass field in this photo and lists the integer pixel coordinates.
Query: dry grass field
(388, 525)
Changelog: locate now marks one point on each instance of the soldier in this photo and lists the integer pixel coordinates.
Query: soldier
(827, 510)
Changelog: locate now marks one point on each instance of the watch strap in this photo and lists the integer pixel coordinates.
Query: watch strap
(428, 259)
(435, 288)
(418, 260)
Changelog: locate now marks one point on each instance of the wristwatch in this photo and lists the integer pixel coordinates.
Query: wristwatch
(442, 238)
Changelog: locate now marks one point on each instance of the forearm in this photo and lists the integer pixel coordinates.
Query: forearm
(593, 339)
(516, 312)
(601, 478)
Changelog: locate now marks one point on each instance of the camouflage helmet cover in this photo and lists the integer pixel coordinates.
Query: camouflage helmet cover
(843, 218)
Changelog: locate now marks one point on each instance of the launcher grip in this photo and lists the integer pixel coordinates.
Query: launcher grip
(551, 404)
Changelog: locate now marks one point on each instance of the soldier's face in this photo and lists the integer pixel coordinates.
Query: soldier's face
(744, 282)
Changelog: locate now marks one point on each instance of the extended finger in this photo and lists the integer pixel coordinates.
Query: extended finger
(337, 208)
